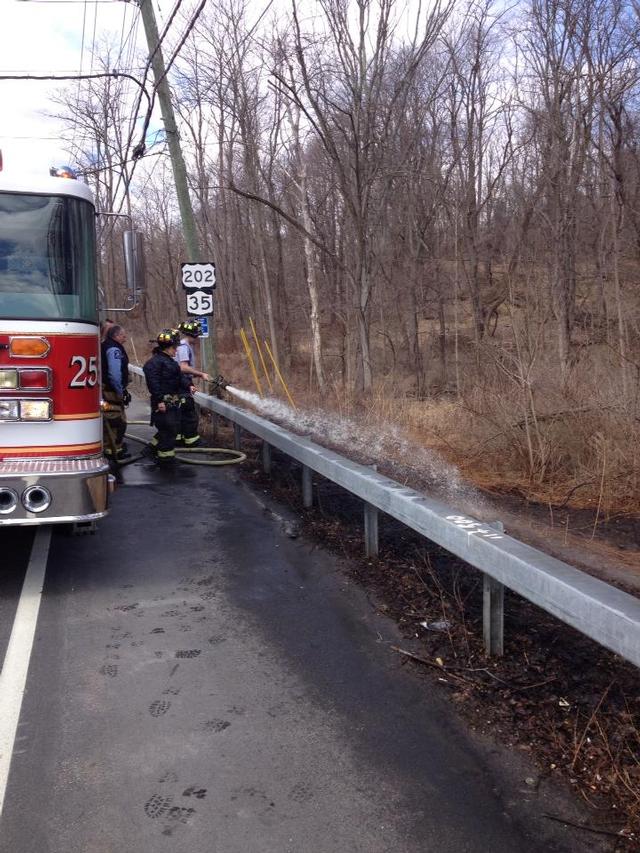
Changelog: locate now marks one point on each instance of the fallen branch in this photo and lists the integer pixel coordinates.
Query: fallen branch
(290, 219)
(588, 726)
(582, 410)
(583, 826)
(438, 667)
(537, 684)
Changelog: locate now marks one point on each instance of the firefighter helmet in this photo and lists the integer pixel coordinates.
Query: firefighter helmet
(191, 328)
(168, 338)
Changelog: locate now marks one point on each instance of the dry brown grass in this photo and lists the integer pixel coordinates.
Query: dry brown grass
(511, 427)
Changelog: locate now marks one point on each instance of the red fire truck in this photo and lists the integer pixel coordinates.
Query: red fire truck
(52, 467)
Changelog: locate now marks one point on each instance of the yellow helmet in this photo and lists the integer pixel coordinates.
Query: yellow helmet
(191, 328)
(168, 338)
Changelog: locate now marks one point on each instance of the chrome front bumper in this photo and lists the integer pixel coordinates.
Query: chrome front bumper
(79, 489)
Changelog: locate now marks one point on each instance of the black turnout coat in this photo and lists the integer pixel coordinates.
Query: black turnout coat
(163, 377)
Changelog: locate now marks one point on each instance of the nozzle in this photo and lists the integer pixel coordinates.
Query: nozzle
(218, 385)
(219, 382)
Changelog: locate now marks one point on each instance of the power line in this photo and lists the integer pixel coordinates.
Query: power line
(97, 76)
(123, 40)
(149, 174)
(130, 40)
(113, 74)
(164, 32)
(75, 146)
(118, 165)
(161, 37)
(33, 71)
(140, 146)
(72, 2)
(147, 66)
(101, 75)
(84, 25)
(93, 38)
(181, 43)
(29, 138)
(128, 44)
(132, 127)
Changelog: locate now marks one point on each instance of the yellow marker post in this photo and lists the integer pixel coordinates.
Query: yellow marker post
(259, 348)
(277, 370)
(247, 349)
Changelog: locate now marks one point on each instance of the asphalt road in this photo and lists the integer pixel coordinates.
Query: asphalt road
(202, 682)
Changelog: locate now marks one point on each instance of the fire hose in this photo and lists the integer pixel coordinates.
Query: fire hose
(235, 456)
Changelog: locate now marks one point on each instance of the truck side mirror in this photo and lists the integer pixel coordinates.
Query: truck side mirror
(134, 267)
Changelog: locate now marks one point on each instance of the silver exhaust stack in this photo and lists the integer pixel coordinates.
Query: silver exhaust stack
(36, 498)
(8, 501)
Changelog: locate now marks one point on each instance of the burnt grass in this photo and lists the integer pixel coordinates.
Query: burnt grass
(573, 706)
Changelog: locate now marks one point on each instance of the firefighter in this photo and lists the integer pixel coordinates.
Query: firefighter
(104, 328)
(115, 397)
(185, 356)
(165, 384)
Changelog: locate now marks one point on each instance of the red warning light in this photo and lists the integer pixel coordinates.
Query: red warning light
(63, 172)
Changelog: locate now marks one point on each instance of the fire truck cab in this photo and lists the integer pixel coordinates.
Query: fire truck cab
(52, 468)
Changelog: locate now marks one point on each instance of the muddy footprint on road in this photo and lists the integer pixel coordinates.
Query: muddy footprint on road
(216, 725)
(159, 707)
(157, 806)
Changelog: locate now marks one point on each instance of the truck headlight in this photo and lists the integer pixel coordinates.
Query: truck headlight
(35, 410)
(9, 410)
(8, 378)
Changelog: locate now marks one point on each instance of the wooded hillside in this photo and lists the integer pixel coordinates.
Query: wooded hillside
(435, 206)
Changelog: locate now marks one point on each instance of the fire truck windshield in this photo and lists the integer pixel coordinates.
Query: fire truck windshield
(47, 258)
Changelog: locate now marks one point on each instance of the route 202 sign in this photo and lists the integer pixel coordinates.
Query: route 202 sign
(198, 276)
(199, 302)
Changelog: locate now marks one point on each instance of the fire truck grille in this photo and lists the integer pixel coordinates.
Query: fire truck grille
(27, 467)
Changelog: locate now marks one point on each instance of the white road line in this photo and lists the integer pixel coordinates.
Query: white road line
(16, 662)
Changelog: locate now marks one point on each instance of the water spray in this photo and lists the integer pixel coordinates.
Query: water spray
(408, 461)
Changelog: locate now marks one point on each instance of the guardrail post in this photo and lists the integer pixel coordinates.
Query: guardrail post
(266, 457)
(493, 610)
(237, 436)
(307, 487)
(370, 530)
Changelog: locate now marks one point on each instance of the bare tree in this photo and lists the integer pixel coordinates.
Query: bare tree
(348, 92)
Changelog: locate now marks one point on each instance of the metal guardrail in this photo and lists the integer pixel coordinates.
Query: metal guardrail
(608, 615)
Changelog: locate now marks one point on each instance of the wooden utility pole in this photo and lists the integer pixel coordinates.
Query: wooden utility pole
(189, 229)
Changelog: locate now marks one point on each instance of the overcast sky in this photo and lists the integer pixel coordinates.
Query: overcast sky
(46, 38)
(56, 36)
